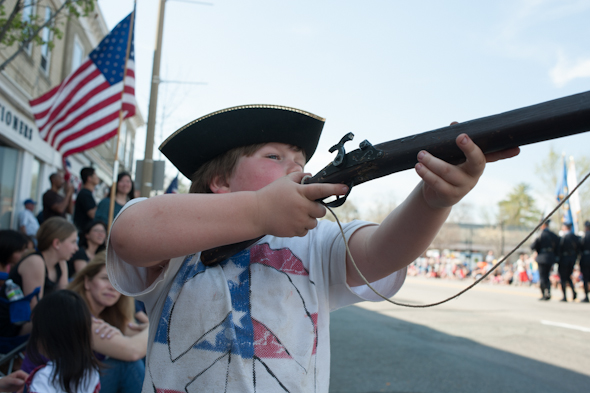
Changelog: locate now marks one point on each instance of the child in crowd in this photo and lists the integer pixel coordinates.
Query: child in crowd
(12, 246)
(62, 333)
(259, 320)
(45, 267)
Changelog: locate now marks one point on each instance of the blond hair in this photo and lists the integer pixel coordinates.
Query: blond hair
(51, 229)
(118, 314)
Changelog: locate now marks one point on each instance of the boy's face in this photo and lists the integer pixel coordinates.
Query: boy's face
(269, 163)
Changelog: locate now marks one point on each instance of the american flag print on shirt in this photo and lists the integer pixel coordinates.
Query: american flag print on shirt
(248, 324)
(83, 111)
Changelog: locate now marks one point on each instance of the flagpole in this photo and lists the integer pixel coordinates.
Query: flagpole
(116, 162)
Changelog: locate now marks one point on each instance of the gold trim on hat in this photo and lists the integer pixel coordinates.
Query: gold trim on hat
(233, 108)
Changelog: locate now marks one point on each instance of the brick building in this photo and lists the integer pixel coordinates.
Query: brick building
(26, 161)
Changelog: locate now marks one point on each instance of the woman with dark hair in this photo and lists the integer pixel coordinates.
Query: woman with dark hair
(92, 241)
(61, 341)
(125, 349)
(12, 246)
(57, 241)
(124, 193)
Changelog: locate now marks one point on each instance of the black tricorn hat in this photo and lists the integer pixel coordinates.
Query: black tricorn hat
(216, 133)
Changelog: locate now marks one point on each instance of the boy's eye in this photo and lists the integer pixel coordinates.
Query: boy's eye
(273, 156)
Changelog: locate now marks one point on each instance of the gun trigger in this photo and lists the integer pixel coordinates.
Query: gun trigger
(339, 201)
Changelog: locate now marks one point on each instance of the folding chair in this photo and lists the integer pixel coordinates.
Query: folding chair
(12, 348)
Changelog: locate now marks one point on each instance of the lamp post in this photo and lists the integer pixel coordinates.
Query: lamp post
(148, 163)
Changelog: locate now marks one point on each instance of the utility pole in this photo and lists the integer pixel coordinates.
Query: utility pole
(148, 163)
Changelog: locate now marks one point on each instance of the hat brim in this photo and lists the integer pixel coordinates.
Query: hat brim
(214, 134)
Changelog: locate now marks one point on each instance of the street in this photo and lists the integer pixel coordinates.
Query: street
(491, 339)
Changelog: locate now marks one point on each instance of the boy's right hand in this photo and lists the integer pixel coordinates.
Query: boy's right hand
(286, 208)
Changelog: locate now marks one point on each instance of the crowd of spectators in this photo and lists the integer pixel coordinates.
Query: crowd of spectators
(523, 271)
(62, 250)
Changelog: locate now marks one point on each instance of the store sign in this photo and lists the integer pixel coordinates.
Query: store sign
(14, 123)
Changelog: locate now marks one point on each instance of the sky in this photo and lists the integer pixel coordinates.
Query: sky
(380, 69)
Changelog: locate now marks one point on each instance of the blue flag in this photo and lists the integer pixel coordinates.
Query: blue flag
(173, 187)
(561, 193)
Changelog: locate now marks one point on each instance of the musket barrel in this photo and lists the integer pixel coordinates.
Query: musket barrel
(537, 123)
(542, 122)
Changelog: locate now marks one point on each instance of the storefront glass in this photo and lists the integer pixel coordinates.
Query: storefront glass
(35, 173)
(8, 168)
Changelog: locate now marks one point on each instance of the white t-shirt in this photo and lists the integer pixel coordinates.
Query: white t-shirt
(27, 219)
(40, 381)
(257, 322)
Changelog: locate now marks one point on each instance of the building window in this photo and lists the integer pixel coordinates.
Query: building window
(46, 36)
(28, 15)
(77, 55)
(35, 173)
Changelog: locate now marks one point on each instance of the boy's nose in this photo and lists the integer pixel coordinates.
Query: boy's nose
(294, 167)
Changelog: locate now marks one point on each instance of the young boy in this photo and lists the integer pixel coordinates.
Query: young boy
(259, 320)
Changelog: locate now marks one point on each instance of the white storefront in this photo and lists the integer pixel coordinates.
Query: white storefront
(26, 160)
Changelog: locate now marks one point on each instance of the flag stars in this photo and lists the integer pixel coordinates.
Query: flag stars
(112, 51)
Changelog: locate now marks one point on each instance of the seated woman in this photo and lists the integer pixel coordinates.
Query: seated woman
(126, 348)
(123, 194)
(91, 242)
(57, 241)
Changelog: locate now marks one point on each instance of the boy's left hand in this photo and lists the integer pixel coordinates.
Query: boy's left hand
(444, 184)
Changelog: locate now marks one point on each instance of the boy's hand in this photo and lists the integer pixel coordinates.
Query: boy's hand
(445, 184)
(287, 208)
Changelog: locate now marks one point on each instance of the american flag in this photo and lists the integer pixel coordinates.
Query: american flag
(83, 111)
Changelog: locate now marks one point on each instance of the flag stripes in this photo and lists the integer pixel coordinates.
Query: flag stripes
(83, 111)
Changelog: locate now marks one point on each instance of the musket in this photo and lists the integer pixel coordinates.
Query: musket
(537, 123)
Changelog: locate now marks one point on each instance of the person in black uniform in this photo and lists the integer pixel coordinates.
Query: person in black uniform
(585, 261)
(569, 251)
(547, 247)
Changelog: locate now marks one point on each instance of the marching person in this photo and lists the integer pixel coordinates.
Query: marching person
(585, 261)
(546, 247)
(569, 250)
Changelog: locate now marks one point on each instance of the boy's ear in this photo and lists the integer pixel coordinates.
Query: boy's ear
(219, 185)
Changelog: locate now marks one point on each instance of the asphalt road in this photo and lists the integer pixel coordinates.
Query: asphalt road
(491, 339)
